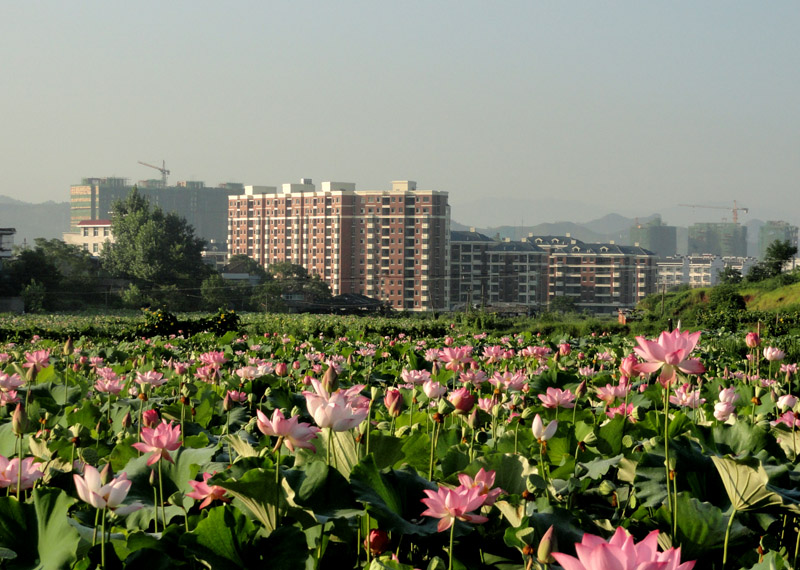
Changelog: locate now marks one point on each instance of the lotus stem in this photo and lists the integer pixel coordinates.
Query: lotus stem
(161, 494)
(727, 536)
(103, 539)
(450, 552)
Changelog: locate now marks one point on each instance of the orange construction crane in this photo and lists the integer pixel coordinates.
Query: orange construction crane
(736, 209)
(162, 169)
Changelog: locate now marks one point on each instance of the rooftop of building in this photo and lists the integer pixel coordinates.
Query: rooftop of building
(94, 223)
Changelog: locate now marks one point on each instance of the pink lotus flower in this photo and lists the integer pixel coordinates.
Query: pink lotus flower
(91, 490)
(206, 492)
(771, 353)
(415, 376)
(434, 389)
(340, 411)
(687, 398)
(564, 349)
(609, 392)
(624, 410)
(627, 368)
(160, 441)
(213, 358)
(37, 359)
(487, 404)
(150, 378)
(9, 397)
(462, 400)
(450, 504)
(10, 381)
(109, 385)
(620, 553)
(789, 419)
(9, 473)
(508, 381)
(669, 355)
(208, 373)
(281, 369)
(247, 372)
(294, 432)
(752, 340)
(474, 377)
(456, 357)
(787, 401)
(484, 480)
(557, 398)
(541, 433)
(493, 354)
(236, 396)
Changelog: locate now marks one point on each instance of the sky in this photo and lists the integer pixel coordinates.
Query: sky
(518, 109)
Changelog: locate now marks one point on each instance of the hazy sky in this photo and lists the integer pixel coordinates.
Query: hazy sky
(630, 106)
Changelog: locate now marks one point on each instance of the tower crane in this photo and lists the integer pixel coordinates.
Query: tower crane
(162, 169)
(736, 209)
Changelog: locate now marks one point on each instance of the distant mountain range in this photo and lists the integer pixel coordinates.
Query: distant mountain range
(51, 219)
(48, 219)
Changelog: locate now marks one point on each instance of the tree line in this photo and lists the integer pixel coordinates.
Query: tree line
(155, 261)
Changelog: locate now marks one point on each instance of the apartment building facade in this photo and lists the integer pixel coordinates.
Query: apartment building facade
(600, 278)
(392, 245)
(699, 270)
(485, 272)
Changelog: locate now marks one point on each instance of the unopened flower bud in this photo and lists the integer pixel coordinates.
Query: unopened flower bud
(580, 391)
(106, 474)
(331, 380)
(19, 420)
(68, 347)
(226, 402)
(377, 542)
(126, 421)
(546, 546)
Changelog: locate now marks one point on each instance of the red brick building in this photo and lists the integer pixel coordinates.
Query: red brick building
(388, 244)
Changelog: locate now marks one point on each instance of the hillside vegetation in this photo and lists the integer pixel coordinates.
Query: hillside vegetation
(772, 303)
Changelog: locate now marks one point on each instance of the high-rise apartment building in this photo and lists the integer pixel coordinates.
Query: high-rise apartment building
(203, 207)
(775, 230)
(393, 245)
(655, 236)
(725, 239)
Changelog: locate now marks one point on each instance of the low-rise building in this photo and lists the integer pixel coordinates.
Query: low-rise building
(91, 236)
(699, 270)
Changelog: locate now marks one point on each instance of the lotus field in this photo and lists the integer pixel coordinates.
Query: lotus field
(672, 452)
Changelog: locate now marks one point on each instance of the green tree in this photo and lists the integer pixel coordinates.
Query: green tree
(730, 275)
(241, 263)
(158, 252)
(778, 254)
(292, 279)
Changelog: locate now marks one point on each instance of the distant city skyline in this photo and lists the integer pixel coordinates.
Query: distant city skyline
(578, 109)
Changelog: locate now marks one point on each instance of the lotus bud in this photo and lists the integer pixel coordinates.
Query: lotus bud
(434, 369)
(472, 420)
(106, 474)
(580, 391)
(377, 542)
(150, 418)
(564, 349)
(546, 546)
(296, 365)
(281, 369)
(68, 347)
(394, 402)
(350, 359)
(152, 480)
(445, 406)
(752, 340)
(375, 392)
(126, 421)
(331, 379)
(19, 421)
(226, 402)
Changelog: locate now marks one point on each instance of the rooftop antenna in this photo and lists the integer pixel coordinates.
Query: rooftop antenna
(162, 169)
